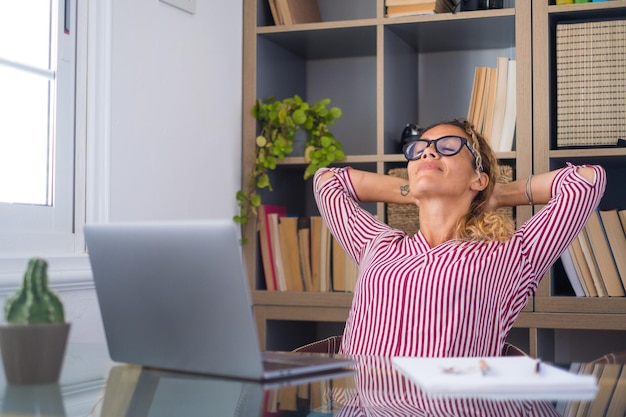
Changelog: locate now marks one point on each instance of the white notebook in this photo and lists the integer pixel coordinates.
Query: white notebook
(506, 377)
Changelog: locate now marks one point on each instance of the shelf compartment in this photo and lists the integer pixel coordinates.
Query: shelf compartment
(421, 57)
(325, 41)
(458, 32)
(319, 64)
(330, 11)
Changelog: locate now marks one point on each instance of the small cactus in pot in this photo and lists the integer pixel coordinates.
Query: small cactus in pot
(34, 338)
(34, 302)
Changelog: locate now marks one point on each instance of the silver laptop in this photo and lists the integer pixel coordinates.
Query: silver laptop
(175, 296)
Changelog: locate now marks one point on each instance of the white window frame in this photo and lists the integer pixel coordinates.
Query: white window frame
(68, 263)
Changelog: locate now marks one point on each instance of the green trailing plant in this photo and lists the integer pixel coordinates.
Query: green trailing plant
(34, 302)
(279, 123)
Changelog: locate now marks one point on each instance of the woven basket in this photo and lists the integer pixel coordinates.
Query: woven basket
(406, 216)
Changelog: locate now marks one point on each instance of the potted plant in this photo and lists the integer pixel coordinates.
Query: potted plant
(34, 337)
(280, 121)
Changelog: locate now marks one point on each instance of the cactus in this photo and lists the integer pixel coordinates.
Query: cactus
(34, 302)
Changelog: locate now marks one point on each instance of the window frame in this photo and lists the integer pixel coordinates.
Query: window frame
(68, 264)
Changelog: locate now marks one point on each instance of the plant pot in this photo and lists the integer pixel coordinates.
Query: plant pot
(33, 353)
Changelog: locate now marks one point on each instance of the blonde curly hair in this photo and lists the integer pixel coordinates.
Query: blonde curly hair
(480, 223)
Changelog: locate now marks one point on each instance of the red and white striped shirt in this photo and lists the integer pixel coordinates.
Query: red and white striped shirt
(459, 298)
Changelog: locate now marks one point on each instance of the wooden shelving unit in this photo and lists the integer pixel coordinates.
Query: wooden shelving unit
(386, 72)
(551, 309)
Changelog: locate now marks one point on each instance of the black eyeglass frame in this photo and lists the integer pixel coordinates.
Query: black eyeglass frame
(436, 142)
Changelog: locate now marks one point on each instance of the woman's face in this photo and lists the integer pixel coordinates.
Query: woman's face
(433, 174)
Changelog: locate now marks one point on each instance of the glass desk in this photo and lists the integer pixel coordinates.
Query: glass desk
(91, 385)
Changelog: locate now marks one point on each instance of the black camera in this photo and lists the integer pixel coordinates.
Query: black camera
(467, 5)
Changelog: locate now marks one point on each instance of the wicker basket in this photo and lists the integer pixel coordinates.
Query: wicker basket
(406, 216)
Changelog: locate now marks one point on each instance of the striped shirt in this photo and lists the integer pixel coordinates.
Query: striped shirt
(459, 298)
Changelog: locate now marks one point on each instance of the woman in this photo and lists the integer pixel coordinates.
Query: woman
(457, 286)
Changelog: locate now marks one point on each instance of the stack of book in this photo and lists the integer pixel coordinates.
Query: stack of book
(590, 83)
(492, 109)
(396, 8)
(291, 12)
(300, 254)
(595, 262)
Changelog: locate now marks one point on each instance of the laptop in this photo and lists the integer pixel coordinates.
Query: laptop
(175, 296)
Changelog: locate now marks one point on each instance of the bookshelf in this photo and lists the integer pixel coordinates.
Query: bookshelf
(383, 73)
(560, 315)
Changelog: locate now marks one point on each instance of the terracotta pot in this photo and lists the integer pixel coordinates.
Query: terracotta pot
(33, 353)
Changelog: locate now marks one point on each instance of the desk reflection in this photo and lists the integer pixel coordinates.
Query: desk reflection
(380, 390)
(133, 391)
(374, 389)
(37, 400)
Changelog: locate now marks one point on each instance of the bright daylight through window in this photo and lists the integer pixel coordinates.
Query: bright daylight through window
(37, 114)
(27, 86)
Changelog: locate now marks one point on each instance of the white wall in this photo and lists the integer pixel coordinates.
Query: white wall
(175, 110)
(165, 126)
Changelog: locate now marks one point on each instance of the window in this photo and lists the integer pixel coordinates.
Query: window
(38, 148)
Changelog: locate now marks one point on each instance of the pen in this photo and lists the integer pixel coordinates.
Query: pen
(484, 368)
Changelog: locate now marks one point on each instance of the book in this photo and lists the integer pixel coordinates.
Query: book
(290, 256)
(617, 240)
(345, 270)
(507, 377)
(484, 103)
(339, 267)
(479, 112)
(277, 256)
(572, 407)
(608, 375)
(582, 268)
(304, 251)
(278, 20)
(591, 369)
(287, 398)
(267, 256)
(325, 257)
(473, 97)
(316, 244)
(352, 273)
(591, 263)
(301, 11)
(622, 218)
(489, 107)
(571, 272)
(510, 111)
(617, 404)
(497, 119)
(411, 9)
(603, 256)
(282, 10)
(564, 407)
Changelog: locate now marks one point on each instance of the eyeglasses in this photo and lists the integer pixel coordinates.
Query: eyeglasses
(445, 146)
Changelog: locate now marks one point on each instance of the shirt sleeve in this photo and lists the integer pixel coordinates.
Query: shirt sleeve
(549, 232)
(353, 226)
